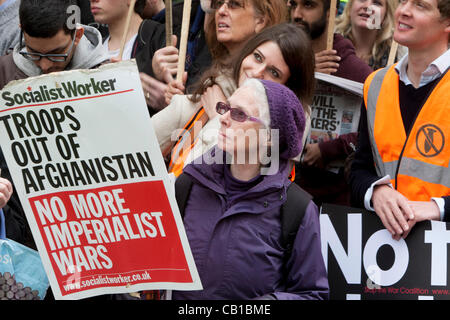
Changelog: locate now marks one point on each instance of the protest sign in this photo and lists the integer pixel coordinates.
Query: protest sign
(92, 181)
(336, 109)
(364, 262)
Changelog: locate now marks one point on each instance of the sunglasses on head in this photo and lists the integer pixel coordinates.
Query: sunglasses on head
(235, 113)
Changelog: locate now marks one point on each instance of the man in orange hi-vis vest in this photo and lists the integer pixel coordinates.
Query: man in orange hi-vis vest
(401, 167)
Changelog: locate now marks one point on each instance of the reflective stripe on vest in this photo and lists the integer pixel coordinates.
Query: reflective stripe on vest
(374, 81)
(418, 163)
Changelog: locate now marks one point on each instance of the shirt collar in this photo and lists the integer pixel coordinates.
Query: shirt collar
(432, 72)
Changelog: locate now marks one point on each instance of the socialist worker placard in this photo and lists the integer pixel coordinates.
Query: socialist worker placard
(92, 181)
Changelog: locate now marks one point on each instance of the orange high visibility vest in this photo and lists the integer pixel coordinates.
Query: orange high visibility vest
(418, 163)
(186, 142)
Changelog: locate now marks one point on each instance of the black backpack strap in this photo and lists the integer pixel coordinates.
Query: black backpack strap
(292, 212)
(183, 186)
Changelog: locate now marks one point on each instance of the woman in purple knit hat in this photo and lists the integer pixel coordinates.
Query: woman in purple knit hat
(238, 200)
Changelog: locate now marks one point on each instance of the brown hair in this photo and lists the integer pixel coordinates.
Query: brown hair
(295, 46)
(444, 8)
(139, 6)
(274, 12)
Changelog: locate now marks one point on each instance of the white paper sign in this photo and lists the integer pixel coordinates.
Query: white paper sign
(92, 181)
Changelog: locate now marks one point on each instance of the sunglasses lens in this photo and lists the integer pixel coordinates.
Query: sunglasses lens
(234, 5)
(221, 108)
(238, 115)
(235, 114)
(217, 4)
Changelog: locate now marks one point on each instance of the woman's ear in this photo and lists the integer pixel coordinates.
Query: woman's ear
(260, 23)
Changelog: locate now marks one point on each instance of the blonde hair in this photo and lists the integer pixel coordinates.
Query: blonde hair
(384, 36)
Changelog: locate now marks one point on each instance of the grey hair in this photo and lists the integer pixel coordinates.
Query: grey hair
(259, 93)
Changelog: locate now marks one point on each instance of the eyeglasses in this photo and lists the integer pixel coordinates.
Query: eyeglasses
(36, 56)
(231, 4)
(235, 113)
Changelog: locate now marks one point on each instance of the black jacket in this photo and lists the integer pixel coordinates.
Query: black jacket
(16, 224)
(152, 35)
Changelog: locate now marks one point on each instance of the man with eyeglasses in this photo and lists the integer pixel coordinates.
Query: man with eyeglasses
(47, 44)
(50, 42)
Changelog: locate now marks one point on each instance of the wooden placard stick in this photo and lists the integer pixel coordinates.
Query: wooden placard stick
(184, 39)
(127, 27)
(169, 23)
(392, 52)
(330, 33)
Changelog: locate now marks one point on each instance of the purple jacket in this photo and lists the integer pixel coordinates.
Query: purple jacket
(235, 239)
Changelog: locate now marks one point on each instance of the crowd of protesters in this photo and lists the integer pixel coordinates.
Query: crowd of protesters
(249, 67)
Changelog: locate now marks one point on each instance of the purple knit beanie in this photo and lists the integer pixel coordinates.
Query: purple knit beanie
(286, 115)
